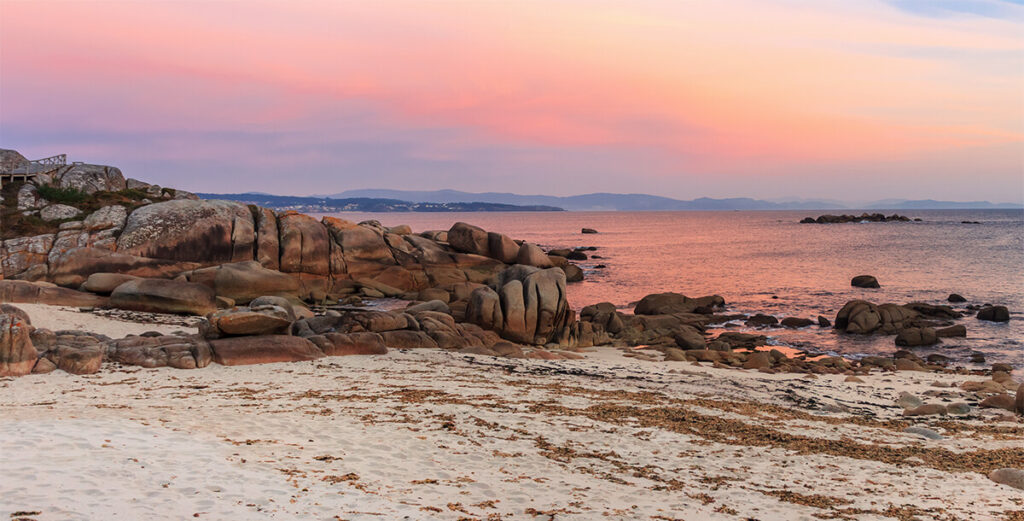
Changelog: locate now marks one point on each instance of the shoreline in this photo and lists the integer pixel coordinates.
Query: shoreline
(438, 435)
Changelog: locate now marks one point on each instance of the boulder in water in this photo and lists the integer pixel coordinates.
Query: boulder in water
(864, 281)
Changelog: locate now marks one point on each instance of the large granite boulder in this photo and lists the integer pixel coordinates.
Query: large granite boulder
(916, 336)
(177, 351)
(994, 314)
(244, 281)
(41, 293)
(501, 247)
(207, 232)
(304, 243)
(864, 281)
(57, 212)
(105, 283)
(863, 317)
(346, 344)
(164, 296)
(531, 255)
(268, 249)
(23, 253)
(363, 247)
(669, 303)
(90, 178)
(265, 349)
(73, 267)
(17, 354)
(241, 321)
(110, 217)
(532, 302)
(466, 238)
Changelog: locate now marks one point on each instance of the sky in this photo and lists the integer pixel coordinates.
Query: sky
(839, 99)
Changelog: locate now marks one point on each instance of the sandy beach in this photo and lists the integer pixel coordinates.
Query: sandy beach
(429, 434)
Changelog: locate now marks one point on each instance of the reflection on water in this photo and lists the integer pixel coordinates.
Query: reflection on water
(768, 262)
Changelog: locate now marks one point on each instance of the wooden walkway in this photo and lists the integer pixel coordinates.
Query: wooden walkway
(34, 168)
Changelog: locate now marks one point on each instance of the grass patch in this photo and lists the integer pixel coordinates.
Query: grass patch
(69, 196)
(14, 224)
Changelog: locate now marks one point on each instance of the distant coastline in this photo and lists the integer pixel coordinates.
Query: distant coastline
(457, 201)
(369, 204)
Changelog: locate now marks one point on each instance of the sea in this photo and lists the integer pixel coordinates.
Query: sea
(767, 262)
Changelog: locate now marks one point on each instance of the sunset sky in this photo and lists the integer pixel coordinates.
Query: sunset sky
(842, 99)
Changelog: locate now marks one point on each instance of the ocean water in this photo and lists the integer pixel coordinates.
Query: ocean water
(766, 262)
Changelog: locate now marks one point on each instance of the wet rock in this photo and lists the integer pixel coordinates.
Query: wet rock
(1007, 476)
(953, 297)
(853, 379)
(760, 320)
(669, 303)
(588, 230)
(864, 281)
(742, 340)
(573, 273)
(916, 336)
(824, 322)
(794, 322)
(689, 338)
(903, 364)
(862, 317)
(952, 331)
(994, 314)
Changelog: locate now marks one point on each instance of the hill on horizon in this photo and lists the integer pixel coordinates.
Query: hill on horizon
(640, 202)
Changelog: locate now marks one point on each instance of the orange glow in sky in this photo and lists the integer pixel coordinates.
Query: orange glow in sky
(840, 99)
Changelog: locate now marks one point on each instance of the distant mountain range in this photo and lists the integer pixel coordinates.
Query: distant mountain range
(634, 202)
(365, 204)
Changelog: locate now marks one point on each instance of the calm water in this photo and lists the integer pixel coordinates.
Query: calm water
(751, 257)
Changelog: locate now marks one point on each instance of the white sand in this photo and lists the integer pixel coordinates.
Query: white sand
(58, 317)
(434, 435)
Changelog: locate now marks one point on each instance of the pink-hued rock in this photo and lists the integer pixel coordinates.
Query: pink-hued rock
(164, 296)
(17, 354)
(265, 349)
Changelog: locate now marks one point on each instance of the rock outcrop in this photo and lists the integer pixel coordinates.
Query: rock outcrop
(17, 354)
(525, 304)
(164, 296)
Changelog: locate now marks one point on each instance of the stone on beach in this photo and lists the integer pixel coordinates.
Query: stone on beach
(17, 354)
(1009, 477)
(164, 296)
(264, 349)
